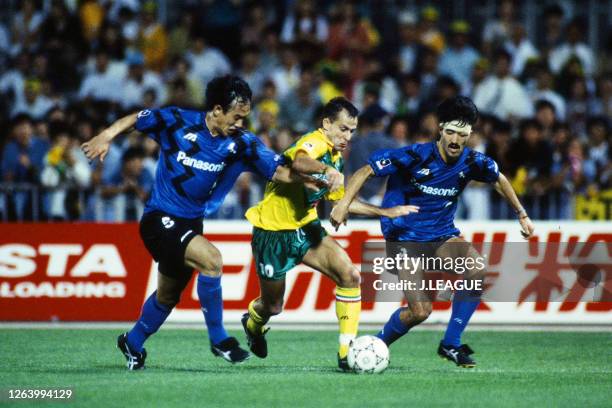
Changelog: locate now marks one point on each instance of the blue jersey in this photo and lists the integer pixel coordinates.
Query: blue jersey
(419, 176)
(196, 170)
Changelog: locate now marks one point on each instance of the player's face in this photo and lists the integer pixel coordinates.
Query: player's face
(228, 123)
(453, 138)
(340, 131)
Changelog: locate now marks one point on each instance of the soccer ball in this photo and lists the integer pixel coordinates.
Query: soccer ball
(368, 354)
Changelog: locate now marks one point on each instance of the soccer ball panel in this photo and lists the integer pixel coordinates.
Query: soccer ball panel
(368, 354)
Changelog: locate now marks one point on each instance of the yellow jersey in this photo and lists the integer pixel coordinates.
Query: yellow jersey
(291, 206)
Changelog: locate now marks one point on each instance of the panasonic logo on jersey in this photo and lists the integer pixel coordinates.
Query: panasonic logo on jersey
(437, 191)
(198, 164)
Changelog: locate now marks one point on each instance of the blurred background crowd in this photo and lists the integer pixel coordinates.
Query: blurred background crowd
(539, 72)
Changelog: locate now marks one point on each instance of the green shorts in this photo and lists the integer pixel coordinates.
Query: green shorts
(276, 252)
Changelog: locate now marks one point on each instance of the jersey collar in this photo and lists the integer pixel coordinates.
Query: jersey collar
(329, 142)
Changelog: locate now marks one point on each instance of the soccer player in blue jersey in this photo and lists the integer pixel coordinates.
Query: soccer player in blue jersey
(432, 176)
(202, 155)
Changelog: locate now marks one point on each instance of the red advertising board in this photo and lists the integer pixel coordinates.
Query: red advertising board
(102, 272)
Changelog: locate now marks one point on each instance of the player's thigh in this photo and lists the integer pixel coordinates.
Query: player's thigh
(202, 255)
(465, 255)
(276, 252)
(169, 289)
(166, 238)
(332, 260)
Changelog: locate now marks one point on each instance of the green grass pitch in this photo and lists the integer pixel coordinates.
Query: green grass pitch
(531, 369)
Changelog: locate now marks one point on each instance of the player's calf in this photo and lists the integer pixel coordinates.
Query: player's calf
(416, 313)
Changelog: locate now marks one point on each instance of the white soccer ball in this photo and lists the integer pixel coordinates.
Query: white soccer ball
(368, 354)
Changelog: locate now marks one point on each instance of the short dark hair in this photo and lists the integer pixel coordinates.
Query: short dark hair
(21, 118)
(529, 124)
(58, 128)
(131, 153)
(337, 105)
(224, 90)
(543, 104)
(459, 108)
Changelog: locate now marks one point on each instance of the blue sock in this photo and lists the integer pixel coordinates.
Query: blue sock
(153, 315)
(465, 304)
(393, 329)
(211, 299)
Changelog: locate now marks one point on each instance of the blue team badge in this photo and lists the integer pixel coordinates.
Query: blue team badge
(232, 147)
(144, 113)
(381, 164)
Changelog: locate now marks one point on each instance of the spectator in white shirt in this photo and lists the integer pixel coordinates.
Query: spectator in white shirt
(304, 24)
(12, 82)
(497, 31)
(458, 60)
(251, 70)
(409, 42)
(287, 76)
(138, 82)
(573, 47)
(207, 62)
(25, 27)
(544, 90)
(501, 94)
(101, 84)
(521, 49)
(34, 103)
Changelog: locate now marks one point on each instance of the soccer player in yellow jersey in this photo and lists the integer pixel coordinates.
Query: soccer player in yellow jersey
(287, 230)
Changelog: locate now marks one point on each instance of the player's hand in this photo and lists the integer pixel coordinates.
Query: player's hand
(97, 147)
(335, 179)
(338, 215)
(527, 227)
(315, 183)
(399, 210)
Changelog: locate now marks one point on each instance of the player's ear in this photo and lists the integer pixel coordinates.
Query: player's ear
(217, 110)
(326, 123)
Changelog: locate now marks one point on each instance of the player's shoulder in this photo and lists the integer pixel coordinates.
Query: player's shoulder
(245, 136)
(315, 137)
(475, 155)
(422, 149)
(186, 115)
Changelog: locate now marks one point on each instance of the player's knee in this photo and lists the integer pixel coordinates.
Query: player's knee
(274, 308)
(422, 313)
(212, 263)
(350, 279)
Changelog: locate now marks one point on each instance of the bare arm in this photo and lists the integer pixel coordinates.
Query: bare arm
(306, 165)
(341, 210)
(360, 208)
(98, 146)
(503, 187)
(287, 175)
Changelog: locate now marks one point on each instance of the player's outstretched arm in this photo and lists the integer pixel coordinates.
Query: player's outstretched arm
(304, 164)
(98, 146)
(360, 208)
(341, 210)
(503, 187)
(286, 175)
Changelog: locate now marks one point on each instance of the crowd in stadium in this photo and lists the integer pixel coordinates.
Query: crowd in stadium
(69, 69)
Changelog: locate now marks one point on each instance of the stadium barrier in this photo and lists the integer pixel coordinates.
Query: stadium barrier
(102, 272)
